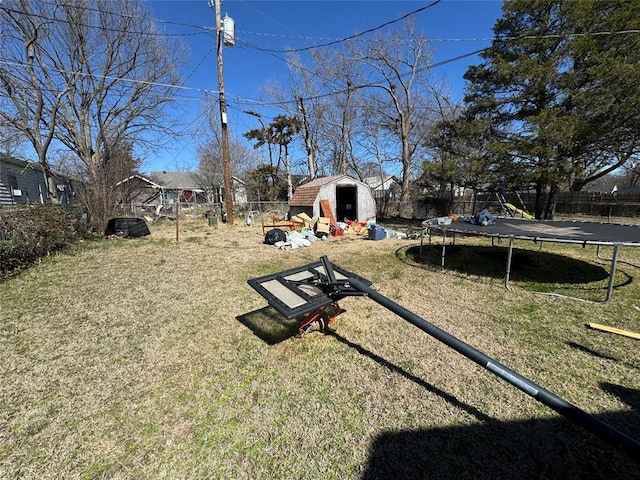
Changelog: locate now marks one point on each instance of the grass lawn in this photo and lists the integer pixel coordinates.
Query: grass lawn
(143, 358)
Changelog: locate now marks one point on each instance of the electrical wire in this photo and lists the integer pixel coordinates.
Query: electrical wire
(351, 37)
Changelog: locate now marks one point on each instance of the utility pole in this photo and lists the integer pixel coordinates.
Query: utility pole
(228, 193)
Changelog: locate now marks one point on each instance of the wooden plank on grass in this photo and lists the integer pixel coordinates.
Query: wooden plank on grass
(606, 328)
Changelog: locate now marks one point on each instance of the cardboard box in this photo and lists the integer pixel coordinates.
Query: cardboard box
(322, 227)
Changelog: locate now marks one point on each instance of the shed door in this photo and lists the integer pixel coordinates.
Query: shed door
(346, 203)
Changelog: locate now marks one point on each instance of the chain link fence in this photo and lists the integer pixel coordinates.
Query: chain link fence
(202, 211)
(604, 207)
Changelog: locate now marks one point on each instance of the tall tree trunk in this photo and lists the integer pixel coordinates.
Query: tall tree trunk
(539, 202)
(552, 201)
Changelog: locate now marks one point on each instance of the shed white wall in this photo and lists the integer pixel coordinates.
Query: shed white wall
(366, 202)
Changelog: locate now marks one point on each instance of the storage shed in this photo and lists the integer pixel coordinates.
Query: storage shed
(347, 198)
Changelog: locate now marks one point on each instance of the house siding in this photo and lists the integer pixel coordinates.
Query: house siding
(29, 181)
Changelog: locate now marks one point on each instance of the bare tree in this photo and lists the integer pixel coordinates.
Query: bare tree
(400, 67)
(105, 77)
(298, 99)
(12, 141)
(373, 100)
(631, 173)
(32, 89)
(210, 173)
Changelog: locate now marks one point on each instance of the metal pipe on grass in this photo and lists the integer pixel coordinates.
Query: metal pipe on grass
(540, 394)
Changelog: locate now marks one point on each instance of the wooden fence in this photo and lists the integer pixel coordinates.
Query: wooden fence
(576, 204)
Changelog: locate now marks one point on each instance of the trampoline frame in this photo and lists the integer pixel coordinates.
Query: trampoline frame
(485, 231)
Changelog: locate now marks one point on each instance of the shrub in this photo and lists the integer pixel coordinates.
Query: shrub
(26, 235)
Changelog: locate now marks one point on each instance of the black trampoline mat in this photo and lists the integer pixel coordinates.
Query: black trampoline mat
(550, 231)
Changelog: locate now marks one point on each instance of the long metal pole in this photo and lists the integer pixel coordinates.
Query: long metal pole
(549, 399)
(228, 194)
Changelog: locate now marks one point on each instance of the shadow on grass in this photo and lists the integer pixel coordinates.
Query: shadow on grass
(409, 376)
(269, 325)
(629, 396)
(591, 352)
(554, 448)
(531, 266)
(533, 449)
(498, 450)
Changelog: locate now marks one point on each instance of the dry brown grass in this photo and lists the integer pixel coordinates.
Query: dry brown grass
(130, 359)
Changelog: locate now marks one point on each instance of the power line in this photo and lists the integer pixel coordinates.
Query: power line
(205, 30)
(332, 41)
(118, 79)
(351, 37)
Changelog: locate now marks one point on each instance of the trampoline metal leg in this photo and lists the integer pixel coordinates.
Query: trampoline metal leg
(508, 272)
(444, 248)
(614, 262)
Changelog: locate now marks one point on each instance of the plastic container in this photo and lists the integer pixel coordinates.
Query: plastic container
(376, 234)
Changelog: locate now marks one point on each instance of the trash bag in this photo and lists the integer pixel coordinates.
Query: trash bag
(127, 227)
(275, 235)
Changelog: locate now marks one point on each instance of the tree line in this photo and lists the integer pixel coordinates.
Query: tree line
(553, 105)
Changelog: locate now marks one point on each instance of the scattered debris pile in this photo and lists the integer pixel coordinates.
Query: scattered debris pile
(304, 230)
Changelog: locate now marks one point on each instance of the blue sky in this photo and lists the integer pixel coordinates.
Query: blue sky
(455, 27)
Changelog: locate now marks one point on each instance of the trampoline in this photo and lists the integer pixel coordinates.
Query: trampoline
(539, 231)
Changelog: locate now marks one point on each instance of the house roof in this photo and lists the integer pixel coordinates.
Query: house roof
(175, 180)
(36, 166)
(139, 177)
(305, 195)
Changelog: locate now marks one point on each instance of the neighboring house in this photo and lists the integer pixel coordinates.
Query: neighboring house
(382, 187)
(163, 188)
(348, 198)
(24, 183)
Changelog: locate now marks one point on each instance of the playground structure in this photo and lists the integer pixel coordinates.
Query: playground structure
(509, 208)
(312, 292)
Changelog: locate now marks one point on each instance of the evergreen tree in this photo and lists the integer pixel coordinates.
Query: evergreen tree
(553, 87)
